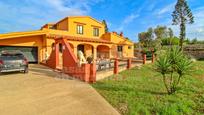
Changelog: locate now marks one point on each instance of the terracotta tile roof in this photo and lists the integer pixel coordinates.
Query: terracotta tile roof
(84, 39)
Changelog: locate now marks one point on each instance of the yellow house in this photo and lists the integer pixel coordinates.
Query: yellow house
(82, 32)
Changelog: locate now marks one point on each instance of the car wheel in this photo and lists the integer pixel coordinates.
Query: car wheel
(26, 70)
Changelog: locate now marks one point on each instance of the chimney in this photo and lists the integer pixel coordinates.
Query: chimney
(121, 34)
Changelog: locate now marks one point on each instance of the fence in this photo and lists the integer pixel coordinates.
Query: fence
(114, 66)
(195, 51)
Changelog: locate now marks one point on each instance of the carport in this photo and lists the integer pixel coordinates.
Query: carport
(31, 53)
(33, 44)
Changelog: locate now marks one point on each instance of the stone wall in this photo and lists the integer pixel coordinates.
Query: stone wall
(195, 51)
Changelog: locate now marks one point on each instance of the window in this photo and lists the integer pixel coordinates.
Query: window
(80, 29)
(129, 47)
(120, 48)
(53, 27)
(95, 32)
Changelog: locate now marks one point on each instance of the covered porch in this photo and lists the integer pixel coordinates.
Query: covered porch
(97, 50)
(104, 55)
(91, 47)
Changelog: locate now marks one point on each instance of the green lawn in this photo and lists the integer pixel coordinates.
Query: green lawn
(141, 91)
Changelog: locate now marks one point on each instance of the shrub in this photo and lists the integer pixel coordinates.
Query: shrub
(173, 65)
(170, 41)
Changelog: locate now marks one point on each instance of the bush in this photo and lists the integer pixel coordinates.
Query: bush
(144, 50)
(170, 41)
(173, 65)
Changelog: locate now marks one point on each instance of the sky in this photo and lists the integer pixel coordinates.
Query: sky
(128, 16)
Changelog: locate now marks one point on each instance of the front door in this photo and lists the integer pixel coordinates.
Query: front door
(120, 51)
(80, 48)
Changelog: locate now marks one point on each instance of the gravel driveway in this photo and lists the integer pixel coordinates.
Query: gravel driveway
(40, 92)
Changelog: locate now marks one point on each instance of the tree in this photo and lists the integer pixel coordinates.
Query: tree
(150, 33)
(170, 41)
(187, 41)
(171, 36)
(173, 66)
(146, 38)
(106, 26)
(161, 32)
(127, 38)
(194, 41)
(182, 15)
(171, 33)
(143, 39)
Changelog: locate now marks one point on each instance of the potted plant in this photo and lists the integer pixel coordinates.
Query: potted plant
(89, 59)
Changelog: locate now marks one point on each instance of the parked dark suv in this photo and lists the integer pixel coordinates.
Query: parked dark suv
(11, 61)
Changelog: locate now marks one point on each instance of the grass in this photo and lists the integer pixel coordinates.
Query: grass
(141, 91)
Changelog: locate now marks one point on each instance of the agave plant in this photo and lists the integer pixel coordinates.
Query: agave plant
(173, 65)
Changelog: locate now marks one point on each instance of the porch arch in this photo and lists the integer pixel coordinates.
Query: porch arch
(103, 51)
(87, 49)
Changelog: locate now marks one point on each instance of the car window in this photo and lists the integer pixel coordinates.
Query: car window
(19, 55)
(12, 55)
(5, 54)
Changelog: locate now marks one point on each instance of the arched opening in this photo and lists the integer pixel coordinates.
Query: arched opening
(103, 52)
(86, 49)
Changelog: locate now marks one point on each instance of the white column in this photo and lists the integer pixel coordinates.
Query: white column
(95, 53)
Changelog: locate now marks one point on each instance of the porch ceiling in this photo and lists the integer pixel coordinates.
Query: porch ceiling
(83, 39)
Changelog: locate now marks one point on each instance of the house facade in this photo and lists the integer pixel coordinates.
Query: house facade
(82, 33)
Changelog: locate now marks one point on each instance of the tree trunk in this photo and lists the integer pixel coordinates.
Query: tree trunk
(165, 84)
(182, 34)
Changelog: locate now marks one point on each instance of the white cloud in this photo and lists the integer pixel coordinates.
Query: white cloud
(130, 18)
(127, 20)
(69, 7)
(166, 9)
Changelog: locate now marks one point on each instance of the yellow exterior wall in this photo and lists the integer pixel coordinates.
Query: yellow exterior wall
(26, 41)
(63, 25)
(120, 41)
(88, 25)
(70, 25)
(48, 45)
(128, 52)
(106, 36)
